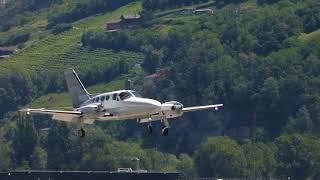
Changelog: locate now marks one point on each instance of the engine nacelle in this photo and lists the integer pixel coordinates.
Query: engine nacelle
(91, 108)
(172, 109)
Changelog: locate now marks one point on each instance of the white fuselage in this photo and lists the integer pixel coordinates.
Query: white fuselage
(118, 105)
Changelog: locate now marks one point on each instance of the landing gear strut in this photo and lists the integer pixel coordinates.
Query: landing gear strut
(165, 126)
(81, 133)
(149, 128)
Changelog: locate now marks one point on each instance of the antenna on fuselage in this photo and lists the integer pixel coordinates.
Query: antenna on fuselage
(128, 84)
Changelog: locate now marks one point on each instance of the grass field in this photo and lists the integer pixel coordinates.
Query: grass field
(310, 36)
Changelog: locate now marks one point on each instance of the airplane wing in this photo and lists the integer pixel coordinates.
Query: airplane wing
(50, 112)
(198, 108)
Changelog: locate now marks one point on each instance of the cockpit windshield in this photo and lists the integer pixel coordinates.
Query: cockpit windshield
(136, 94)
(124, 95)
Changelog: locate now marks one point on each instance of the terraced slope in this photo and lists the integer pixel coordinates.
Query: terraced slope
(48, 52)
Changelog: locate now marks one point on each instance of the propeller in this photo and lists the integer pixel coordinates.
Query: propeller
(177, 106)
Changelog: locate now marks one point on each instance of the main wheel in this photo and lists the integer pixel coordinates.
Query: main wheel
(165, 131)
(149, 129)
(81, 133)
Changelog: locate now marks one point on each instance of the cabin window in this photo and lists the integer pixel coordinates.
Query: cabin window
(124, 95)
(114, 97)
(97, 99)
(107, 97)
(102, 98)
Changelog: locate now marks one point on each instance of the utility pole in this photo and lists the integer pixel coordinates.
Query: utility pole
(137, 161)
(253, 141)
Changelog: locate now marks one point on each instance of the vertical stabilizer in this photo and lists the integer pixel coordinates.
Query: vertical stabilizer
(77, 91)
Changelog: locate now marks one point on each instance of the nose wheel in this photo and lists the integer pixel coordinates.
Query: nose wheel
(81, 133)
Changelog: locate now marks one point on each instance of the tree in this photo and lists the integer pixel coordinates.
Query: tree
(113, 155)
(78, 148)
(39, 159)
(25, 140)
(206, 47)
(311, 17)
(153, 58)
(301, 123)
(58, 139)
(158, 161)
(5, 160)
(186, 167)
(269, 94)
(298, 156)
(220, 157)
(261, 159)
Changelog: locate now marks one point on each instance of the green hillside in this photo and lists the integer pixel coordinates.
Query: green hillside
(46, 51)
(312, 36)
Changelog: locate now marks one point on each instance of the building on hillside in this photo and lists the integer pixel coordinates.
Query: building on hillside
(203, 11)
(113, 25)
(3, 3)
(194, 11)
(149, 80)
(126, 21)
(187, 11)
(6, 52)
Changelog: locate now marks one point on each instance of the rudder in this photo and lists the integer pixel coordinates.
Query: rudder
(77, 91)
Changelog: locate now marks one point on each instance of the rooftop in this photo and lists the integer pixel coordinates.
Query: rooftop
(136, 16)
(8, 49)
(114, 21)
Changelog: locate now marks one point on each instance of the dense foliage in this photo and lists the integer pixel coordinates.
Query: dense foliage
(59, 28)
(259, 58)
(16, 39)
(16, 11)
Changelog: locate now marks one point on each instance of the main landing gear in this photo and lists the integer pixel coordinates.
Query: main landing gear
(165, 126)
(81, 133)
(149, 128)
(164, 129)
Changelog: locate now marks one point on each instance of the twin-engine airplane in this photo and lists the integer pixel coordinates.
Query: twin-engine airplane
(116, 105)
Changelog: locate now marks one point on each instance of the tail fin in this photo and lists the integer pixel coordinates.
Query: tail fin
(77, 91)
